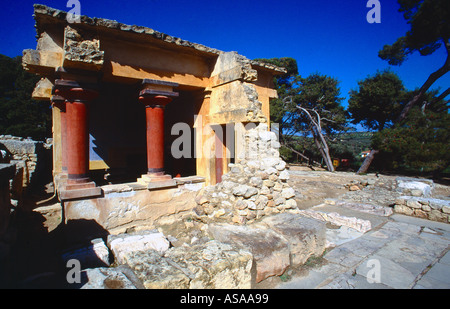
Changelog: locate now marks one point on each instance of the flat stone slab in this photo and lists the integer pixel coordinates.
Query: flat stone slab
(335, 218)
(392, 274)
(415, 186)
(356, 219)
(123, 244)
(306, 236)
(362, 207)
(336, 237)
(270, 250)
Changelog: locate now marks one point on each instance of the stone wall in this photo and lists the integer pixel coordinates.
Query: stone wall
(127, 207)
(256, 185)
(426, 208)
(32, 158)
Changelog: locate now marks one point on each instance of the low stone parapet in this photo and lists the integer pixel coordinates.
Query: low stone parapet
(426, 208)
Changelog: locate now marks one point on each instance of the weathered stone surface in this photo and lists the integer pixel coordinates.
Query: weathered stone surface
(118, 211)
(358, 224)
(79, 48)
(306, 237)
(124, 244)
(427, 208)
(214, 265)
(363, 207)
(211, 265)
(415, 186)
(107, 278)
(402, 209)
(270, 251)
(155, 272)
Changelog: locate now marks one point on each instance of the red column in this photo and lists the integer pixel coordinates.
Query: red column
(77, 119)
(154, 106)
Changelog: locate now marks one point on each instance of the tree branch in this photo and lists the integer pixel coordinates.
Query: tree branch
(430, 81)
(442, 95)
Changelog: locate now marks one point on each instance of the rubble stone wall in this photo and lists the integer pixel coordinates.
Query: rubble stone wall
(256, 185)
(426, 208)
(26, 154)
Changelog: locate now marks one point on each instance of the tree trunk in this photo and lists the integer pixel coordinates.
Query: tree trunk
(323, 148)
(367, 161)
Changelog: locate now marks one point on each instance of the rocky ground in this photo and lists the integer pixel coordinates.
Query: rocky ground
(356, 211)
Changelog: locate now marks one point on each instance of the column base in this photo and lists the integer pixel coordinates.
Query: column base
(157, 180)
(67, 190)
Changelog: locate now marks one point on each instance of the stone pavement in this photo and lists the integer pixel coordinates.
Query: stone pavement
(400, 252)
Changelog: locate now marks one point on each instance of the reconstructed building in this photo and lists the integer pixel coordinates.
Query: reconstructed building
(119, 91)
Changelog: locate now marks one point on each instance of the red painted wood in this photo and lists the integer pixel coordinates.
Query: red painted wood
(77, 124)
(155, 132)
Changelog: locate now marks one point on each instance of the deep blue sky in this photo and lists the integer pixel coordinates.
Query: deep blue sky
(329, 37)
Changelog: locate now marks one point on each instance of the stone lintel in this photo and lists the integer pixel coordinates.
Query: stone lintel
(147, 81)
(151, 92)
(153, 87)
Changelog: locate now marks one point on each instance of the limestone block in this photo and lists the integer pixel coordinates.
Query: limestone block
(437, 215)
(106, 278)
(420, 213)
(402, 209)
(414, 185)
(155, 272)
(213, 265)
(270, 251)
(291, 204)
(284, 175)
(124, 244)
(288, 193)
(413, 204)
(306, 237)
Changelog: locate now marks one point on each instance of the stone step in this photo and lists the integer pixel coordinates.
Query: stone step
(277, 242)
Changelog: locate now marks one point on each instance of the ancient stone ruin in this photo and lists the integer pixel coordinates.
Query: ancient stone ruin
(256, 185)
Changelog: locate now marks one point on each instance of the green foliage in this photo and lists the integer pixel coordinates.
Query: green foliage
(320, 93)
(19, 114)
(284, 84)
(430, 28)
(378, 101)
(420, 144)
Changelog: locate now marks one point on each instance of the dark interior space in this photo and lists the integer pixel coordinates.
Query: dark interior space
(118, 134)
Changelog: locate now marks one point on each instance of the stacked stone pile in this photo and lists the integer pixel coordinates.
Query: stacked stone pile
(255, 186)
